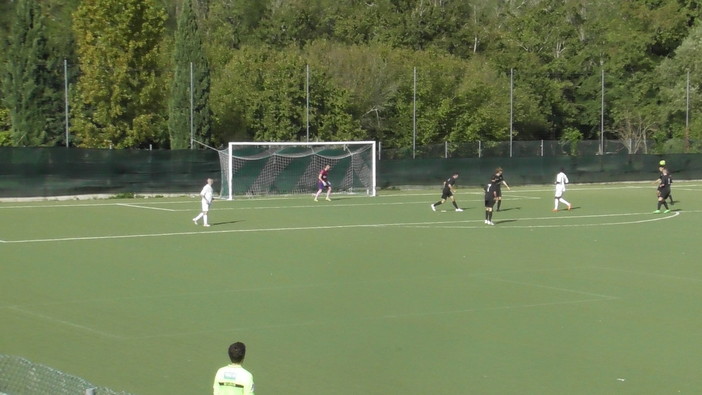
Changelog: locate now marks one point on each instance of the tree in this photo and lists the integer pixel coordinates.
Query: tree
(119, 100)
(189, 51)
(32, 82)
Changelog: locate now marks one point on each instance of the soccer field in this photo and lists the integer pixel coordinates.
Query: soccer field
(363, 295)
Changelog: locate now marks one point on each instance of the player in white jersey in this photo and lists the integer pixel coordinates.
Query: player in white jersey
(233, 378)
(561, 182)
(206, 200)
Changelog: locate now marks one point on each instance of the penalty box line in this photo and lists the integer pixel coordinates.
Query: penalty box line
(144, 207)
(297, 228)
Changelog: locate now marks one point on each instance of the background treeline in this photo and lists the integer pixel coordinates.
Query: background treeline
(131, 66)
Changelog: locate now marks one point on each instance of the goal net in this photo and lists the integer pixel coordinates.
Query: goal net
(275, 168)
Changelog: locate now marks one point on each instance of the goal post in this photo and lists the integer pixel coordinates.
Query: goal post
(286, 168)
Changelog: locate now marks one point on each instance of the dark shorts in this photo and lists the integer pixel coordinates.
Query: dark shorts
(498, 192)
(489, 203)
(322, 186)
(446, 194)
(664, 193)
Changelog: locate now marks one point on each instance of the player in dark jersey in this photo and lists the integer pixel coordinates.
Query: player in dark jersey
(323, 182)
(490, 198)
(663, 191)
(499, 181)
(661, 167)
(447, 192)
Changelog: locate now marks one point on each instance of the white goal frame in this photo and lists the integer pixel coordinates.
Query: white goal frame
(371, 189)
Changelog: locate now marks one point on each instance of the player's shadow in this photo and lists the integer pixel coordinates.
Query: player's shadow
(505, 221)
(508, 209)
(225, 222)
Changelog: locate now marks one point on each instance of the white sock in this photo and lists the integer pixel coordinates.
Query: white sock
(555, 207)
(205, 219)
(564, 201)
(198, 217)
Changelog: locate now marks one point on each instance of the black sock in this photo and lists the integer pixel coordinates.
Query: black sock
(487, 215)
(490, 216)
(499, 203)
(454, 204)
(665, 204)
(437, 203)
(660, 204)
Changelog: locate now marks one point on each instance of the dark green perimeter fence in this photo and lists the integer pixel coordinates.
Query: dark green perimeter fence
(47, 172)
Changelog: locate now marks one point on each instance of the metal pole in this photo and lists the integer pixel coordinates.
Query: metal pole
(602, 116)
(445, 149)
(192, 123)
(511, 109)
(687, 113)
(307, 89)
(65, 98)
(414, 115)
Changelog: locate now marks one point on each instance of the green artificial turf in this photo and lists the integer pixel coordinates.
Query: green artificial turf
(362, 295)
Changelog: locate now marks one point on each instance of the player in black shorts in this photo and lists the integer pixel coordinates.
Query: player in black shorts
(447, 192)
(661, 167)
(663, 191)
(499, 181)
(490, 197)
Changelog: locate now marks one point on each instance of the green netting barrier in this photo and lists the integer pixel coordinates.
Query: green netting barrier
(46, 172)
(21, 376)
(537, 170)
(29, 172)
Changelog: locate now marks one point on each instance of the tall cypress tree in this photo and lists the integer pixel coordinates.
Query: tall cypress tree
(118, 100)
(188, 49)
(32, 80)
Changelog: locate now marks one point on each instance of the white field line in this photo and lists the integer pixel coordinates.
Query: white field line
(144, 207)
(678, 186)
(62, 322)
(665, 276)
(592, 297)
(373, 318)
(325, 227)
(497, 222)
(325, 285)
(568, 290)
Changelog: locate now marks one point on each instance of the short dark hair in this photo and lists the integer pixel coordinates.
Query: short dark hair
(237, 352)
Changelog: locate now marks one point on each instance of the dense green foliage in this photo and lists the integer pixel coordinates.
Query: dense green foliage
(32, 80)
(118, 99)
(250, 61)
(189, 51)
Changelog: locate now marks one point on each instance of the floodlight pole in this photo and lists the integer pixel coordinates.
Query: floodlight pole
(602, 113)
(65, 97)
(511, 109)
(414, 114)
(307, 90)
(192, 123)
(687, 113)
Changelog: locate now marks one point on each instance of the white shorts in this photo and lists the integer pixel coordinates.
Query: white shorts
(205, 206)
(560, 188)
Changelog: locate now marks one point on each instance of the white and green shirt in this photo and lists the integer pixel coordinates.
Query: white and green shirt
(233, 379)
